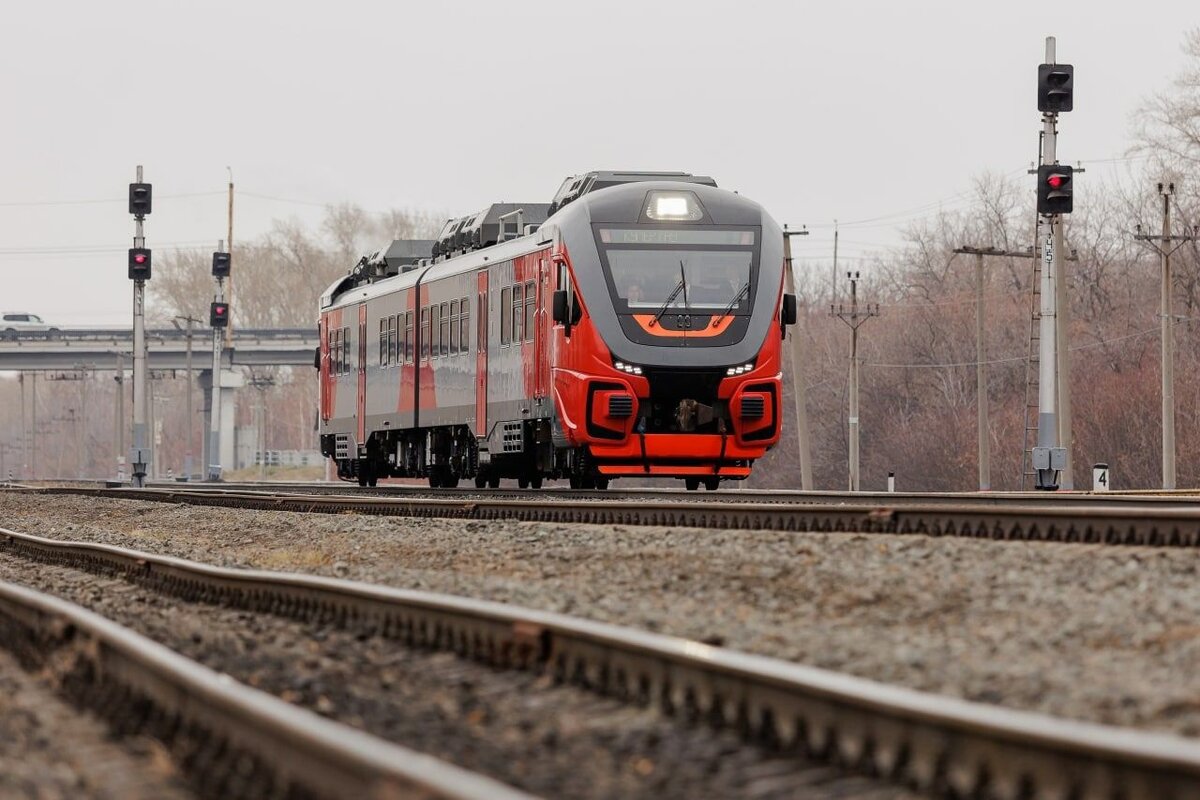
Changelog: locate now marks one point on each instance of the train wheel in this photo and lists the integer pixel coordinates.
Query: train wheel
(480, 481)
(494, 482)
(535, 482)
(575, 482)
(691, 484)
(601, 483)
(522, 482)
(712, 484)
(362, 479)
(372, 480)
(450, 481)
(435, 480)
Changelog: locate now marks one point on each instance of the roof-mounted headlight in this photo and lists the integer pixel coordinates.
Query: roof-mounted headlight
(673, 206)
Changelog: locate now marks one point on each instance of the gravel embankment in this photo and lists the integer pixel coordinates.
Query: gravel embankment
(555, 741)
(49, 750)
(1102, 633)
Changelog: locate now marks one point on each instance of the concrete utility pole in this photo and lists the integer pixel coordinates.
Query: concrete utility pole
(119, 427)
(1162, 244)
(214, 429)
(33, 426)
(855, 318)
(833, 277)
(800, 382)
(24, 430)
(187, 458)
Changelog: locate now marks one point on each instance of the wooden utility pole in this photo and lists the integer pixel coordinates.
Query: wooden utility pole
(854, 318)
(981, 381)
(799, 381)
(1163, 245)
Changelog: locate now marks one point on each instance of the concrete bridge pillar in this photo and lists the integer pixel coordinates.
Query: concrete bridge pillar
(231, 381)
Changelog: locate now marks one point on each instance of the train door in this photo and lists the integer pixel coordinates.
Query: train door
(542, 333)
(323, 375)
(362, 374)
(481, 356)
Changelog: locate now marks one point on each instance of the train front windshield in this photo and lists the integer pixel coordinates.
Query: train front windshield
(698, 271)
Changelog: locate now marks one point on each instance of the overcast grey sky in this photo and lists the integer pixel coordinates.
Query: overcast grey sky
(851, 110)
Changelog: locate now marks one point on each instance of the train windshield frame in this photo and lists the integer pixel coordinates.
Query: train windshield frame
(700, 270)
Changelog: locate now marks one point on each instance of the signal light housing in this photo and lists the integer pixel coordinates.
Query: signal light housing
(218, 315)
(1055, 194)
(139, 264)
(221, 265)
(1056, 87)
(140, 196)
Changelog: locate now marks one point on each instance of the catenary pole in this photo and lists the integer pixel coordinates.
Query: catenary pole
(1165, 245)
(800, 381)
(854, 318)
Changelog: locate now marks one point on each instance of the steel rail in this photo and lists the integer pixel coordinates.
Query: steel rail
(1155, 498)
(936, 743)
(301, 752)
(1078, 522)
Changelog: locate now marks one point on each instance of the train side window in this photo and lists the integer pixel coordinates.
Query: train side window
(530, 298)
(444, 339)
(425, 334)
(436, 331)
(505, 315)
(392, 343)
(464, 325)
(518, 314)
(408, 337)
(453, 327)
(383, 341)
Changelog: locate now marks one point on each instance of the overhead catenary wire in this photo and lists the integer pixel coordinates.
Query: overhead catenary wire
(1013, 359)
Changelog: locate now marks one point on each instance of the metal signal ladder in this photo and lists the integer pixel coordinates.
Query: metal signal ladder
(1032, 364)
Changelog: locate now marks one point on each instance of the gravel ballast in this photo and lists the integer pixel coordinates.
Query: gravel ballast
(1108, 634)
(519, 727)
(51, 750)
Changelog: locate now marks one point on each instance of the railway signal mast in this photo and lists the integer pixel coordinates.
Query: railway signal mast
(218, 320)
(139, 272)
(1055, 193)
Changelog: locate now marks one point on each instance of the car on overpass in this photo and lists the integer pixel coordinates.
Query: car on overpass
(15, 322)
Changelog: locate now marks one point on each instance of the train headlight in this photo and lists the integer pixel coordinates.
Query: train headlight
(629, 369)
(741, 369)
(663, 206)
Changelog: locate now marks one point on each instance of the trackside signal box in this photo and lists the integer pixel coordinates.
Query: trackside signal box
(218, 315)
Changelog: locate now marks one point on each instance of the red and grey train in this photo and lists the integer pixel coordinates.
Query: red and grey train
(632, 327)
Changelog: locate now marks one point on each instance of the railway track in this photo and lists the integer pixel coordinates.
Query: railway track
(231, 740)
(1133, 522)
(937, 744)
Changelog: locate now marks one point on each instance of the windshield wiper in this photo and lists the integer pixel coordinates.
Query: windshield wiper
(679, 287)
(737, 298)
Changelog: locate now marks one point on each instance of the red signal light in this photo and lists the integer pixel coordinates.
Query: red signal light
(1055, 181)
(139, 259)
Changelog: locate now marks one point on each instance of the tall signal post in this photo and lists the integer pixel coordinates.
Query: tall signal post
(139, 273)
(218, 320)
(1165, 245)
(855, 317)
(1055, 192)
(799, 384)
(187, 458)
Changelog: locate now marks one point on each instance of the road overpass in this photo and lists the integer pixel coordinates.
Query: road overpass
(105, 348)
